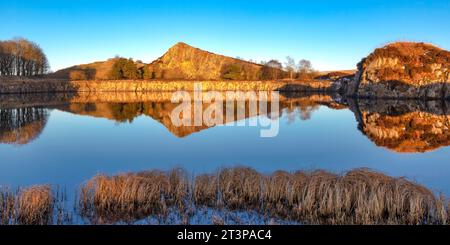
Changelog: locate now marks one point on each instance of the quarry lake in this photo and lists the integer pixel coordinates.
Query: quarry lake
(65, 142)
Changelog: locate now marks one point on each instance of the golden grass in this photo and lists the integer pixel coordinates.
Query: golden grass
(29, 206)
(127, 197)
(7, 202)
(359, 196)
(34, 205)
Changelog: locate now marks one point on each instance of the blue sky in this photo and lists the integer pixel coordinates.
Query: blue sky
(332, 34)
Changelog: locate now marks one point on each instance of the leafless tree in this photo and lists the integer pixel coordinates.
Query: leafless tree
(290, 66)
(305, 69)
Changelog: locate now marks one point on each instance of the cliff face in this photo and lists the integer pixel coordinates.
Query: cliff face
(403, 70)
(186, 62)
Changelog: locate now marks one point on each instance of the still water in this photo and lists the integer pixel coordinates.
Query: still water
(65, 141)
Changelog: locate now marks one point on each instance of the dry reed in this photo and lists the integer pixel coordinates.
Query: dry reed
(359, 196)
(35, 205)
(129, 197)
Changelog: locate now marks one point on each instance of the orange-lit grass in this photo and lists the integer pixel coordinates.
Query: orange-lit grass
(127, 197)
(359, 196)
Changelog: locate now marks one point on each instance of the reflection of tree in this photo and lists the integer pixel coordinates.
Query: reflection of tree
(22, 125)
(302, 109)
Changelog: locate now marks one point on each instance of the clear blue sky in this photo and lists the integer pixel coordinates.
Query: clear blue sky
(332, 34)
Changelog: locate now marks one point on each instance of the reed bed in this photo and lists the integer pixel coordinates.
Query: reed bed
(128, 197)
(27, 206)
(359, 196)
(34, 205)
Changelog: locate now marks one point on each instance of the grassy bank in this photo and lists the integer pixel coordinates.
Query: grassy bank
(24, 85)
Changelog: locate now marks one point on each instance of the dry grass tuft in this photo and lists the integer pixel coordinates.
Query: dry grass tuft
(360, 196)
(129, 197)
(34, 205)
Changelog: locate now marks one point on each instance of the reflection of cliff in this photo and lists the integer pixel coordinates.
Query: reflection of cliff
(23, 125)
(159, 107)
(404, 126)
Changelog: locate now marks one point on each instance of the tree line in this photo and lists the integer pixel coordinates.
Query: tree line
(21, 57)
(273, 70)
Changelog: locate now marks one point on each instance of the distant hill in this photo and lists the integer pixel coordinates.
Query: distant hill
(99, 70)
(183, 61)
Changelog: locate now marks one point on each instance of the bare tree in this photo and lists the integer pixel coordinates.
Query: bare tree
(305, 69)
(290, 66)
(305, 66)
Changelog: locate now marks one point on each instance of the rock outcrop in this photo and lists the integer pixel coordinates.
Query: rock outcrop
(183, 61)
(403, 70)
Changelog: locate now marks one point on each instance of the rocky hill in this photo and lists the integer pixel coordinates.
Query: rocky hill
(183, 61)
(403, 70)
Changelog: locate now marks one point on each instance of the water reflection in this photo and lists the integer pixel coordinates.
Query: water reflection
(22, 125)
(402, 126)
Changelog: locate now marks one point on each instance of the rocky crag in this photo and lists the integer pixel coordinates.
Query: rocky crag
(402, 70)
(183, 61)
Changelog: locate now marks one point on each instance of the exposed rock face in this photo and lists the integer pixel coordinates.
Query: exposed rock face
(186, 62)
(403, 70)
(404, 126)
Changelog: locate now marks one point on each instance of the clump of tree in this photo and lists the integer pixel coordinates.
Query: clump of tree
(125, 69)
(233, 72)
(271, 70)
(305, 70)
(21, 57)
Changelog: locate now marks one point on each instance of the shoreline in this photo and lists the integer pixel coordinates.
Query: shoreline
(22, 86)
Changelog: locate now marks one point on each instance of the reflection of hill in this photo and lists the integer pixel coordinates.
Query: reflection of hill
(159, 107)
(23, 125)
(404, 126)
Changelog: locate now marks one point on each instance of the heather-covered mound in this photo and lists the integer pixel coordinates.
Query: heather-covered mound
(403, 70)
